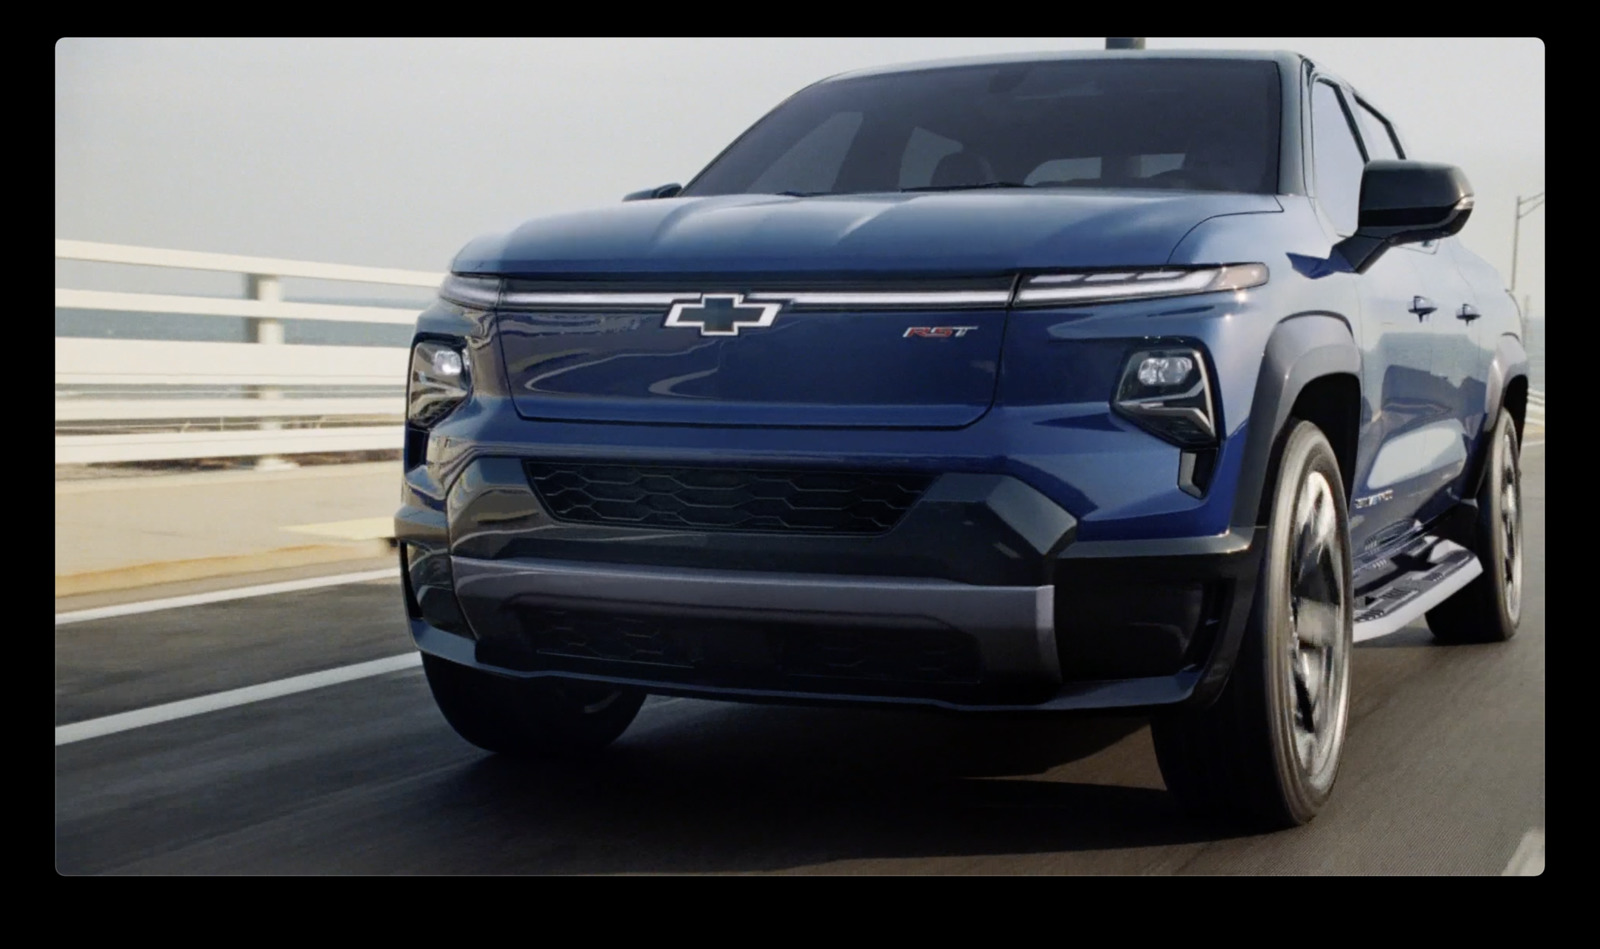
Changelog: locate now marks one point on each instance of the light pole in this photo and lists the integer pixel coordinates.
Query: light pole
(1532, 204)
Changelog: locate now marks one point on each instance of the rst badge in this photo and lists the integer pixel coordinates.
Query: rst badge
(722, 314)
(936, 331)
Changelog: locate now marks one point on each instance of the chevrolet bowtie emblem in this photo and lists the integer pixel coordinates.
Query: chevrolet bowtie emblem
(722, 314)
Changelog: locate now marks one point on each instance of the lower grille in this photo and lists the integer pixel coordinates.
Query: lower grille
(753, 650)
(728, 499)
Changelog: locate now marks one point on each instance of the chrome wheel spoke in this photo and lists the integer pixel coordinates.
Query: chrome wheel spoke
(1316, 624)
(1305, 744)
(1308, 685)
(1316, 526)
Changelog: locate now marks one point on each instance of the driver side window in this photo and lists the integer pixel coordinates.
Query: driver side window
(1337, 159)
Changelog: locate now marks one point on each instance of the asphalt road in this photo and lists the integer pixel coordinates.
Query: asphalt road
(1443, 774)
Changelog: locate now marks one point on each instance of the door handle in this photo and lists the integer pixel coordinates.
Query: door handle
(1468, 312)
(1422, 306)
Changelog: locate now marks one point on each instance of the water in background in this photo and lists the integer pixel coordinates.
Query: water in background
(110, 324)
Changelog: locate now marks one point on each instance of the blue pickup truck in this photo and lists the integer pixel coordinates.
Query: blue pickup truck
(1119, 380)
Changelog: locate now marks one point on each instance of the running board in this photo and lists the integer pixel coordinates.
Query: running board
(1399, 588)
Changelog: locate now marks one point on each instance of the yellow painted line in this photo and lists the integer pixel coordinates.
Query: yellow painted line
(366, 528)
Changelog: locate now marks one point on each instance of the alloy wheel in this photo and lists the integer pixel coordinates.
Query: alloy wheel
(1318, 648)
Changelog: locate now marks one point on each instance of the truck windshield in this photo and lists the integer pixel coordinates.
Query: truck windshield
(1207, 125)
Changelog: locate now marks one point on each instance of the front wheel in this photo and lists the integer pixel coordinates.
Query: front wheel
(530, 717)
(1268, 749)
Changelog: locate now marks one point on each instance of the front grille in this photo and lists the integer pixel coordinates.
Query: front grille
(727, 499)
(755, 653)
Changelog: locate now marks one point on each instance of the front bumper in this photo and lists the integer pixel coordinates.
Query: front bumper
(980, 599)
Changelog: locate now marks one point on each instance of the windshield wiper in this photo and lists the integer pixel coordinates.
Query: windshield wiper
(986, 184)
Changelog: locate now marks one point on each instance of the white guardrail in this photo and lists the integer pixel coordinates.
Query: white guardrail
(161, 424)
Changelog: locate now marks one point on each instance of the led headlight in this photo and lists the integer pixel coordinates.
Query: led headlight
(1168, 393)
(439, 382)
(1075, 288)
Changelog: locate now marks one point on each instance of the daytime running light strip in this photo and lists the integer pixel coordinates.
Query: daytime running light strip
(1045, 288)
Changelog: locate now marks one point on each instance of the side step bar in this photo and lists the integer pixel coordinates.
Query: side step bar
(1399, 588)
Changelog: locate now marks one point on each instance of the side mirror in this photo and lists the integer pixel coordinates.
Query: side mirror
(1406, 202)
(662, 191)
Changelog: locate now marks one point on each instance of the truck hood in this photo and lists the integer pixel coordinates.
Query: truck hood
(920, 233)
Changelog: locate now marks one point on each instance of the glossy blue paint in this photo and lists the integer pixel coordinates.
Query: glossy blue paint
(994, 232)
(1050, 424)
(1023, 392)
(828, 369)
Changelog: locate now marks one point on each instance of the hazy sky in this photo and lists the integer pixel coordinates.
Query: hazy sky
(395, 153)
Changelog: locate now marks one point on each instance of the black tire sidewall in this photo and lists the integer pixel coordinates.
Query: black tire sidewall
(532, 717)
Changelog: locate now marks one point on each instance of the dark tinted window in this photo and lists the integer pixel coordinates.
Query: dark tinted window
(1210, 125)
(1336, 158)
(924, 151)
(813, 163)
(1375, 134)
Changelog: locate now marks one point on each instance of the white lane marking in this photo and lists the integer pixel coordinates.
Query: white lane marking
(1528, 860)
(155, 714)
(218, 596)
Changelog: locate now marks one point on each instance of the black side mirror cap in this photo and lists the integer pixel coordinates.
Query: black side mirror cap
(661, 191)
(1406, 202)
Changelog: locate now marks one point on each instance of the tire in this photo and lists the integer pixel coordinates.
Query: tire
(1266, 752)
(530, 717)
(1488, 609)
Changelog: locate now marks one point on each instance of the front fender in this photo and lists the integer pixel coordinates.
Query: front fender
(1300, 350)
(1510, 361)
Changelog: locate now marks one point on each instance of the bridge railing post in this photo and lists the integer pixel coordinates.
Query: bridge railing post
(268, 332)
(273, 395)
